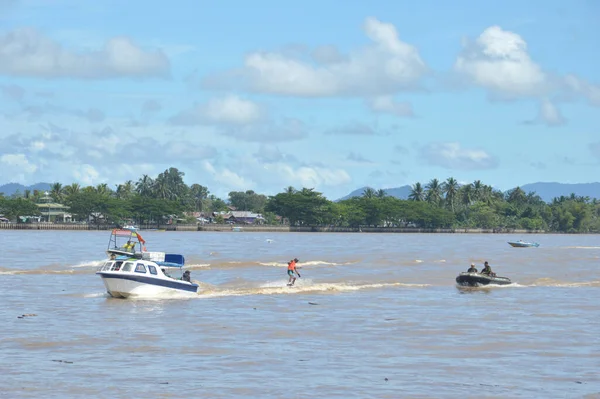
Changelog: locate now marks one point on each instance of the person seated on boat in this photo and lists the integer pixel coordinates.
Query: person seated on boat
(186, 276)
(165, 272)
(487, 270)
(113, 256)
(472, 269)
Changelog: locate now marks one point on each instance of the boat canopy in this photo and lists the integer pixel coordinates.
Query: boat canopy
(128, 233)
(172, 260)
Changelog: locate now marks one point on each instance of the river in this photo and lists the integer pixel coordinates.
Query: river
(373, 316)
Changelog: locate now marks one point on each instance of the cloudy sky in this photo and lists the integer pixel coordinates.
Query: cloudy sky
(332, 95)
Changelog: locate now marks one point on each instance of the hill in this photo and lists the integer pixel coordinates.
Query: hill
(11, 188)
(399, 192)
(547, 191)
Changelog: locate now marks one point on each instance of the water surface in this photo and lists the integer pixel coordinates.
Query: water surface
(374, 315)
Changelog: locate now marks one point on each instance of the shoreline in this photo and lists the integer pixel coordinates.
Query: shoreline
(258, 229)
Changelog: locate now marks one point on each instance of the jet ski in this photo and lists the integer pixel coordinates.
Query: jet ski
(477, 279)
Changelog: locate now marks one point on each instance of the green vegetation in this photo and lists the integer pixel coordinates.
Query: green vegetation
(436, 204)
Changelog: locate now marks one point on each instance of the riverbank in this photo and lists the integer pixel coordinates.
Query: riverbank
(264, 229)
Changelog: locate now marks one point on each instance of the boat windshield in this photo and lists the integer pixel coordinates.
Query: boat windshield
(128, 266)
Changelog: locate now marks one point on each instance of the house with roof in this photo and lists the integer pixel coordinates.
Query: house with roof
(240, 217)
(246, 217)
(52, 211)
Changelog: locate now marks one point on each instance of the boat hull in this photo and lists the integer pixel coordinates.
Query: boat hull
(478, 280)
(121, 285)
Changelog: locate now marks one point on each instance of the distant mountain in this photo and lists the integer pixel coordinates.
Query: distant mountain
(547, 191)
(11, 188)
(399, 192)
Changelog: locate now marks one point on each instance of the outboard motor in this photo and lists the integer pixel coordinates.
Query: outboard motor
(186, 276)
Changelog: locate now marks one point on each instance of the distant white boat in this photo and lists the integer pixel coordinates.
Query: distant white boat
(523, 244)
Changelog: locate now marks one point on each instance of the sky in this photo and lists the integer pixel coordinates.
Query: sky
(331, 95)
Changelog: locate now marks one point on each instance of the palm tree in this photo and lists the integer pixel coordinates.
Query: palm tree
(103, 189)
(125, 191)
(417, 193)
(478, 187)
(368, 193)
(450, 188)
(290, 190)
(434, 192)
(199, 194)
(56, 192)
(516, 196)
(144, 186)
(74, 188)
(380, 193)
(466, 195)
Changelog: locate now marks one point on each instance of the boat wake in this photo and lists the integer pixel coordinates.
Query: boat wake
(548, 282)
(306, 286)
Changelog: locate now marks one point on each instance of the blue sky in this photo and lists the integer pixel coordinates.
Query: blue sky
(330, 95)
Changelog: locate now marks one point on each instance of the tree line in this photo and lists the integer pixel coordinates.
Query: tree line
(436, 204)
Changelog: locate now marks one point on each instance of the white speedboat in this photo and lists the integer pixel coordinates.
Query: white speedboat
(133, 271)
(523, 244)
(124, 277)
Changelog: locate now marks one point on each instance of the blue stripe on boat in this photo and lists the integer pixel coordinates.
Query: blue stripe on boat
(153, 281)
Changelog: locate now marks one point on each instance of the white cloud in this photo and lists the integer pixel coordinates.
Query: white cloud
(87, 175)
(353, 129)
(385, 66)
(498, 61)
(453, 156)
(26, 52)
(549, 114)
(387, 104)
(584, 88)
(311, 176)
(37, 146)
(18, 162)
(227, 110)
(226, 178)
(289, 129)
(358, 158)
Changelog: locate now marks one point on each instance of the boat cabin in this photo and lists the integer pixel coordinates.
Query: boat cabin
(141, 267)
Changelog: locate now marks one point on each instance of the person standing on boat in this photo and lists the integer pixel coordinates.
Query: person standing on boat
(291, 270)
(487, 270)
(472, 269)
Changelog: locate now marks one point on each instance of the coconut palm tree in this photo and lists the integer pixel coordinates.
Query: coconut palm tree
(56, 192)
(380, 193)
(516, 196)
(450, 189)
(368, 193)
(125, 190)
(434, 192)
(103, 189)
(477, 190)
(71, 189)
(290, 190)
(466, 195)
(417, 193)
(144, 186)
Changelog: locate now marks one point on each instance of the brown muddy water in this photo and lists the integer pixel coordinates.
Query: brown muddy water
(373, 316)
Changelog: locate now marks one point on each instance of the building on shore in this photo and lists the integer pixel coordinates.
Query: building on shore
(52, 211)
